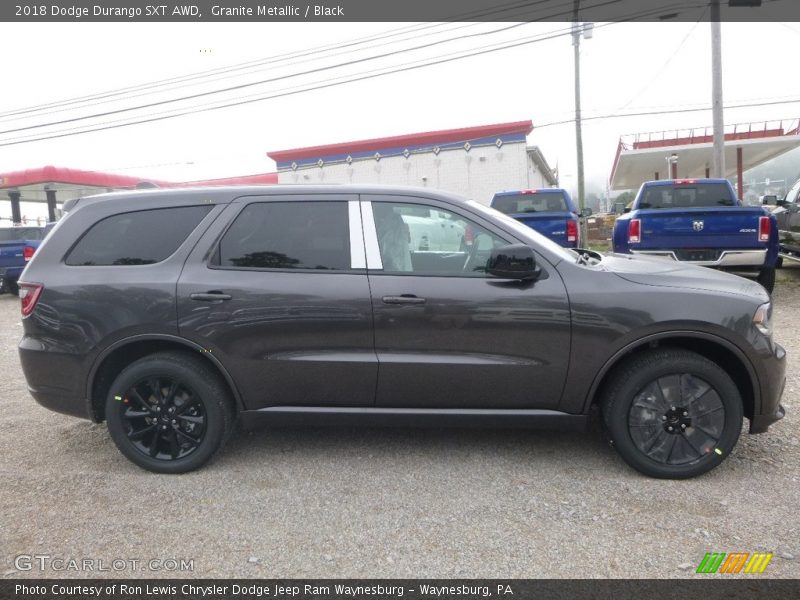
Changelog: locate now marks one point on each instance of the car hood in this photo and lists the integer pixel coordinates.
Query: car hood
(670, 273)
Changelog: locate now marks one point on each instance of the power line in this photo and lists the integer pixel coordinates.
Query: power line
(106, 126)
(513, 6)
(15, 141)
(664, 112)
(666, 63)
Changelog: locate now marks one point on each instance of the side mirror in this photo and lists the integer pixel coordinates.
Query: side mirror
(586, 212)
(513, 262)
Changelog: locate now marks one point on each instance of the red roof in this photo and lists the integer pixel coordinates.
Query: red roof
(414, 139)
(242, 180)
(52, 174)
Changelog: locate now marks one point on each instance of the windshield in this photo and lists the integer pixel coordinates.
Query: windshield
(511, 204)
(10, 234)
(687, 196)
(524, 232)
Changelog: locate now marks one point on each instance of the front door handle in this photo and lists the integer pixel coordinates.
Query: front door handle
(403, 299)
(212, 296)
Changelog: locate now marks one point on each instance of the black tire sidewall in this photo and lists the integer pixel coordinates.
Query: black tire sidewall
(617, 411)
(217, 417)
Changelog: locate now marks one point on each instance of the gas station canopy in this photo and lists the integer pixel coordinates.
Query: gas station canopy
(646, 156)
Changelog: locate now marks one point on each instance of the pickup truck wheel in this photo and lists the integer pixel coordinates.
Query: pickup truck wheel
(672, 414)
(766, 277)
(168, 413)
(779, 263)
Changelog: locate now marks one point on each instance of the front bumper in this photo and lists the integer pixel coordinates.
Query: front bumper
(772, 388)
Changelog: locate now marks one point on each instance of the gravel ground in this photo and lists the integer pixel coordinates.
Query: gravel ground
(309, 502)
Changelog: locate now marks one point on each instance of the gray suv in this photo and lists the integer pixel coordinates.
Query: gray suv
(173, 314)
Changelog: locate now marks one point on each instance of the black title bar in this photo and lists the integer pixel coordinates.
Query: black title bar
(705, 587)
(243, 11)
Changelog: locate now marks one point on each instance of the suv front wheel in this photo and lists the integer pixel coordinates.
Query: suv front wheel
(672, 414)
(168, 413)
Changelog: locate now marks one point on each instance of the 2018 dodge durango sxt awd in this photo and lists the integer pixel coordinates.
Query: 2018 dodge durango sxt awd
(170, 314)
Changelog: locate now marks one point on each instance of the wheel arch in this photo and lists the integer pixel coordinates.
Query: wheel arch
(123, 352)
(717, 349)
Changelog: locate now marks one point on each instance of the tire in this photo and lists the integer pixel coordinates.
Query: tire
(666, 388)
(779, 263)
(189, 424)
(766, 277)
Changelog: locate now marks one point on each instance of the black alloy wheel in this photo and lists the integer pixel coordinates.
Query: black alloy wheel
(672, 413)
(169, 412)
(163, 418)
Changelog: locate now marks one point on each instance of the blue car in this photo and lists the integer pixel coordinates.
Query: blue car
(550, 211)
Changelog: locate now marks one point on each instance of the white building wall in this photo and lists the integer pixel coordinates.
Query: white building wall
(476, 174)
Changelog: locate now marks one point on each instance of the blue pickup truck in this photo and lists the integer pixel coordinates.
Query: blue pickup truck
(700, 221)
(550, 211)
(17, 246)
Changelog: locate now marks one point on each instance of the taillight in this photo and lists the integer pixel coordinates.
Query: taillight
(634, 231)
(572, 230)
(469, 236)
(764, 229)
(27, 252)
(28, 296)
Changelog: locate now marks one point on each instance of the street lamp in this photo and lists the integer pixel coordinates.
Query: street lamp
(672, 165)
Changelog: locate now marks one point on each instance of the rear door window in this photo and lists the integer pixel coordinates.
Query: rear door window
(137, 238)
(288, 235)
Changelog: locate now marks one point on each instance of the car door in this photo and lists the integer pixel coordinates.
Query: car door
(277, 291)
(448, 335)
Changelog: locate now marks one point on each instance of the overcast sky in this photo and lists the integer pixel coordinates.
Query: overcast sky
(628, 67)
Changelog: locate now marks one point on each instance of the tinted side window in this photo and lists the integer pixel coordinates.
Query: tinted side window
(137, 238)
(288, 235)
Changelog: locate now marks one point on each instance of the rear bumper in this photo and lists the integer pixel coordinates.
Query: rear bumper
(62, 402)
(727, 258)
(52, 378)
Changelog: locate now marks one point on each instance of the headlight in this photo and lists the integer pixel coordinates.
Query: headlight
(763, 319)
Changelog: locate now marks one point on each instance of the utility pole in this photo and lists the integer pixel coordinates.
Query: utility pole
(718, 162)
(577, 29)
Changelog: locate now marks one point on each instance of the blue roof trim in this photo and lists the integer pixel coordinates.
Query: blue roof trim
(398, 151)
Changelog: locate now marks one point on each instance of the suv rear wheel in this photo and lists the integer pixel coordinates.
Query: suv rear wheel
(672, 414)
(169, 413)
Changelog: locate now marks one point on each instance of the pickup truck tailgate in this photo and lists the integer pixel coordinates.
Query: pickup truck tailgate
(700, 228)
(552, 225)
(11, 254)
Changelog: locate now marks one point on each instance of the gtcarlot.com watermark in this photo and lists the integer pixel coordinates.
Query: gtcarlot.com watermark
(60, 564)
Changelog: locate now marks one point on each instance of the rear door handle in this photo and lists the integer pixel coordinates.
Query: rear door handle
(212, 296)
(403, 299)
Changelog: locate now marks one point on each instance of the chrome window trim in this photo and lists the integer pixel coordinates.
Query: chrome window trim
(373, 250)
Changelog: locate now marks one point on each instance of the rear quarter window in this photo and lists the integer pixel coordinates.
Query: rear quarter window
(511, 204)
(687, 196)
(136, 238)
